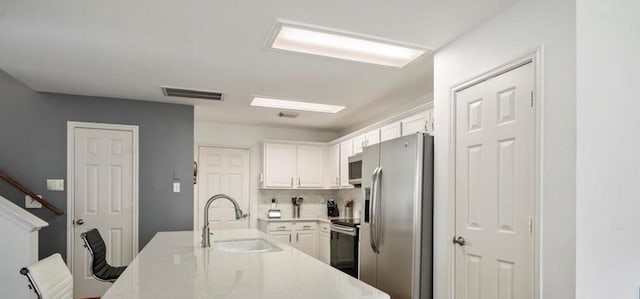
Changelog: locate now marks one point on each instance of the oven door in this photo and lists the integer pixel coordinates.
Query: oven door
(344, 249)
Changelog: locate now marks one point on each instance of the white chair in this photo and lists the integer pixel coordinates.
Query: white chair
(50, 278)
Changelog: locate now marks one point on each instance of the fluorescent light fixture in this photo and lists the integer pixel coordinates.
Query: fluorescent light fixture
(295, 105)
(325, 42)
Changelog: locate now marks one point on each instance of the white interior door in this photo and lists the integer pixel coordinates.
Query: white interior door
(103, 183)
(223, 170)
(495, 187)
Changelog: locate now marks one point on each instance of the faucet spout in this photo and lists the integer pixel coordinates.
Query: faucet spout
(206, 235)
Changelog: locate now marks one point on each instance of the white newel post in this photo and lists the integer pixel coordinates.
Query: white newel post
(19, 239)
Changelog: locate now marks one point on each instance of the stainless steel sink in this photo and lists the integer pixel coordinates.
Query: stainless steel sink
(246, 246)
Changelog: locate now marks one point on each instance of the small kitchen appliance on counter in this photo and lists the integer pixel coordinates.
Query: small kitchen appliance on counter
(297, 202)
(273, 212)
(332, 208)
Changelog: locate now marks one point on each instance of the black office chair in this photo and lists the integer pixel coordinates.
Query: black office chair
(100, 269)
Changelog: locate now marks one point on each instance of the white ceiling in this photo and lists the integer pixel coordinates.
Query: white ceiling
(128, 49)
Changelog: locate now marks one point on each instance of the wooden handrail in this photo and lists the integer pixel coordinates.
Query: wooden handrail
(26, 191)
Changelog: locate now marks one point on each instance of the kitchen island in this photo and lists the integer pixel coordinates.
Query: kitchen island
(174, 265)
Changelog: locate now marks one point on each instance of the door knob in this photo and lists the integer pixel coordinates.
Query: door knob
(78, 222)
(459, 240)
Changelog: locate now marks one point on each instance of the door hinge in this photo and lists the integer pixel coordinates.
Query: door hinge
(531, 99)
(530, 226)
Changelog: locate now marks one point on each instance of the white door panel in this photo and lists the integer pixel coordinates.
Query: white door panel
(495, 187)
(103, 199)
(372, 137)
(223, 170)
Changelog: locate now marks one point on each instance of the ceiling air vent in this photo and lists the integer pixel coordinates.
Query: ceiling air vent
(192, 93)
(288, 114)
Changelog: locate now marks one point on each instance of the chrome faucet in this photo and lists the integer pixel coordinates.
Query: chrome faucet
(205, 229)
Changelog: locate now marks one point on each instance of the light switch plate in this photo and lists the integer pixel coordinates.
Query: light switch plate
(30, 203)
(55, 184)
(176, 187)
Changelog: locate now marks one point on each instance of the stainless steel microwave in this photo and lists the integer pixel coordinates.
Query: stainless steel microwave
(355, 169)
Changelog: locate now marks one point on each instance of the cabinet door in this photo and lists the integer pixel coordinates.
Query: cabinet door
(372, 137)
(430, 121)
(279, 165)
(346, 151)
(391, 131)
(414, 124)
(324, 253)
(285, 237)
(310, 166)
(358, 144)
(333, 166)
(307, 242)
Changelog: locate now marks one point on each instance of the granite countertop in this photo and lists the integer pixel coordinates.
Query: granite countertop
(173, 265)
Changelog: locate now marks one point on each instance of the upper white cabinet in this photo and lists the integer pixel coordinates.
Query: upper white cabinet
(430, 127)
(333, 166)
(279, 165)
(372, 137)
(391, 131)
(346, 151)
(290, 166)
(310, 166)
(358, 143)
(414, 124)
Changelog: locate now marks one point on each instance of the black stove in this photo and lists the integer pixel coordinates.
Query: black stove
(353, 222)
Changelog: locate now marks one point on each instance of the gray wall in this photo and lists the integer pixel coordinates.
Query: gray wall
(33, 147)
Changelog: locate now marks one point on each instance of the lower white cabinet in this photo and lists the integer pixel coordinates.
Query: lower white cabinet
(324, 246)
(311, 237)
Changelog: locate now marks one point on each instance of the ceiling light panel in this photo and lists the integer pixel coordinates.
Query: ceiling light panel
(342, 45)
(295, 105)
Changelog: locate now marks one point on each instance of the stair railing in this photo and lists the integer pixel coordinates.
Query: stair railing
(26, 191)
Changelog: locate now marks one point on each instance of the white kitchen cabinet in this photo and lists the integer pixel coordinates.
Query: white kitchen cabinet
(372, 137)
(414, 124)
(358, 143)
(346, 151)
(307, 242)
(310, 166)
(333, 166)
(282, 236)
(279, 167)
(391, 131)
(430, 127)
(324, 243)
(302, 235)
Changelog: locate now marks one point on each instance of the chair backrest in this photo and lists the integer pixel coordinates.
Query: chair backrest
(97, 249)
(50, 278)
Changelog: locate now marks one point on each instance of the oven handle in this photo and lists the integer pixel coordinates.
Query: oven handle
(342, 229)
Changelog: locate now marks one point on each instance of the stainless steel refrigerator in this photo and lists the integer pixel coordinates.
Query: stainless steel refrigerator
(396, 234)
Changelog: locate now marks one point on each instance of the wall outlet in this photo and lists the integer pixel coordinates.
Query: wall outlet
(176, 187)
(55, 185)
(31, 203)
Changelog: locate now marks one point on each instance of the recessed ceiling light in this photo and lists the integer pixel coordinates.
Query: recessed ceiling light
(342, 45)
(295, 105)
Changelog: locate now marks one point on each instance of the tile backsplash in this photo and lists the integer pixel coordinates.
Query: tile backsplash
(314, 202)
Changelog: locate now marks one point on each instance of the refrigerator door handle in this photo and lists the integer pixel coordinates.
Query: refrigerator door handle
(378, 207)
(373, 231)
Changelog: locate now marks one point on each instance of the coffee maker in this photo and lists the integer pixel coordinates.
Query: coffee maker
(332, 208)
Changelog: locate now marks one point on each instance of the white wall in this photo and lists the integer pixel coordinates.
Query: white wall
(520, 30)
(241, 136)
(608, 139)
